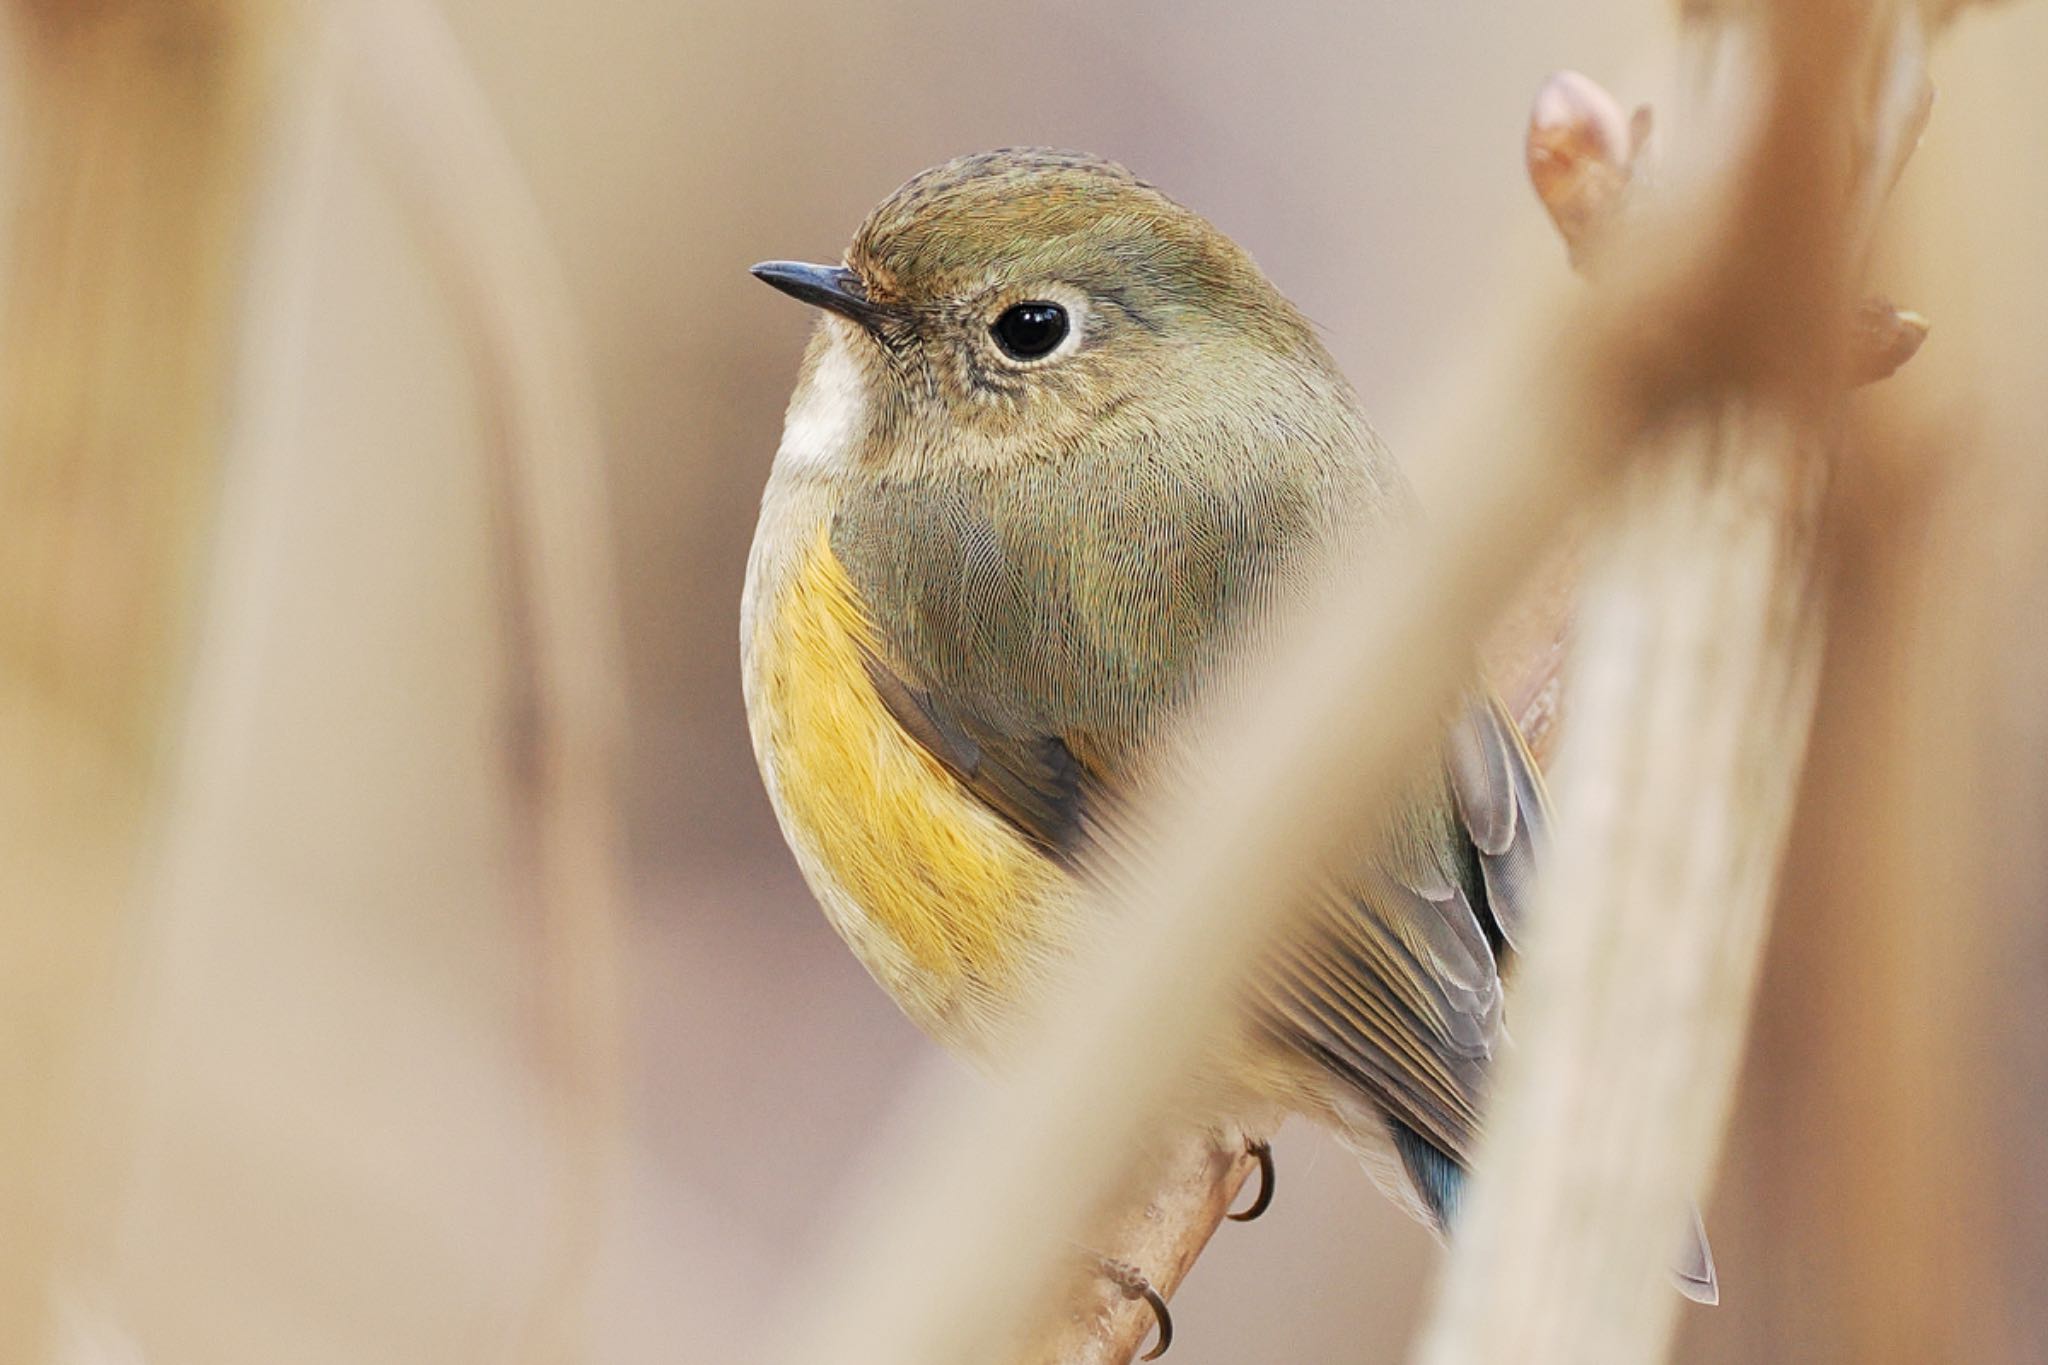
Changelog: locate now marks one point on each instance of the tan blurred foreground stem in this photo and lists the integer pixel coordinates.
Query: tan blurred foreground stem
(456, 176)
(1631, 1020)
(138, 130)
(1695, 666)
(1905, 979)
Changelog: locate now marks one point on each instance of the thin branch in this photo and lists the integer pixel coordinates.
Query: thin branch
(1191, 1189)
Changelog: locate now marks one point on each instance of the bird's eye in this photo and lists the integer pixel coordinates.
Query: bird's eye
(1030, 331)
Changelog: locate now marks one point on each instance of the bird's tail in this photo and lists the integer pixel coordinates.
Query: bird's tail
(1435, 1182)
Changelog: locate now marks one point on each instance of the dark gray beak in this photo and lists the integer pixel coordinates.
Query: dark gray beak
(832, 287)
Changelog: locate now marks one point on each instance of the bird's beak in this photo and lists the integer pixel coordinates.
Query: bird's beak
(832, 287)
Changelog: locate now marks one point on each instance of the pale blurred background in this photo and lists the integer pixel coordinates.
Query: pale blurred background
(335, 872)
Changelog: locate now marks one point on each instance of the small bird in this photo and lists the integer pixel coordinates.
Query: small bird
(1057, 450)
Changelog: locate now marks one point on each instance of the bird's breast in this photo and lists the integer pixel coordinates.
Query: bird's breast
(945, 903)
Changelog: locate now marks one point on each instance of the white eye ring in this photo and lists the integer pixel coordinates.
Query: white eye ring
(1039, 326)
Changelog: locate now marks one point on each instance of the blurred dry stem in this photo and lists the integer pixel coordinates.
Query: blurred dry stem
(139, 127)
(449, 160)
(1693, 664)
(1698, 650)
(142, 128)
(1904, 981)
(1885, 832)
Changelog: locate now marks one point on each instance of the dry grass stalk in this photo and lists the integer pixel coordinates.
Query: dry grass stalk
(1905, 980)
(455, 173)
(132, 188)
(950, 1258)
(1883, 995)
(1635, 1009)
(1698, 651)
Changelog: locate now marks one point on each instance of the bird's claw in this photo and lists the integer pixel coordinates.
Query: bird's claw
(1131, 1282)
(1263, 1150)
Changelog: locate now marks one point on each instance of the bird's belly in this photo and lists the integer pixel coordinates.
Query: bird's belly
(945, 903)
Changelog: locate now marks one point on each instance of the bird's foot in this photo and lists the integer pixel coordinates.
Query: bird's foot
(1132, 1284)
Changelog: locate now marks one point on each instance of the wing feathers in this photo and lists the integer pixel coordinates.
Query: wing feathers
(1480, 781)
(1398, 987)
(1395, 985)
(1500, 799)
(1035, 783)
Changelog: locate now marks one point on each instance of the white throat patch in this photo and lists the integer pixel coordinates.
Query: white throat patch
(825, 412)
